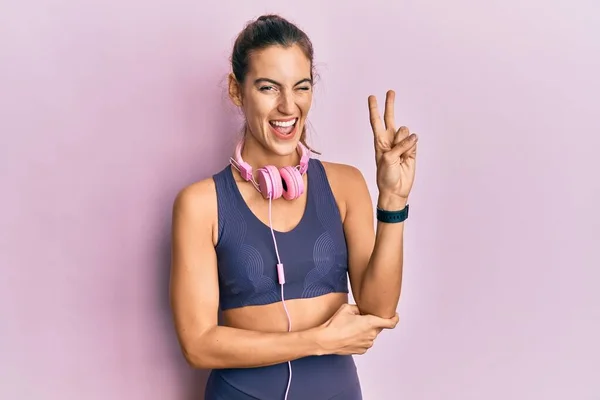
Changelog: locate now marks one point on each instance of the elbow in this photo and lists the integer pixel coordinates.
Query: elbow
(381, 309)
(200, 357)
(197, 359)
(381, 312)
(387, 313)
(197, 354)
(379, 305)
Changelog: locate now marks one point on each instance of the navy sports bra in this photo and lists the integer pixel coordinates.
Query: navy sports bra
(314, 253)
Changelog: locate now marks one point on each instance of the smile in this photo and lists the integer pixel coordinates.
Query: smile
(284, 129)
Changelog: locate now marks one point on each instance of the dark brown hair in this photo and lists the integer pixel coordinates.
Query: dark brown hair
(269, 30)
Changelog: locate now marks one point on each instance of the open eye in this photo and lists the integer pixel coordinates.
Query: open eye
(266, 88)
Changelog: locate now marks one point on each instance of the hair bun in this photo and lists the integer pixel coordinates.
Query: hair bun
(269, 17)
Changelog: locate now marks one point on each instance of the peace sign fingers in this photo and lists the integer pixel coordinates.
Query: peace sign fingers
(395, 149)
(377, 127)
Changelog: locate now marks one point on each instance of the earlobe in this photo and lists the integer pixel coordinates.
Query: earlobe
(235, 91)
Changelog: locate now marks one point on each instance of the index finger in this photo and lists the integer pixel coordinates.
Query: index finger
(374, 116)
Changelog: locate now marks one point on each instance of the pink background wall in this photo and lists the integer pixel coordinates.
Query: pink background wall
(108, 108)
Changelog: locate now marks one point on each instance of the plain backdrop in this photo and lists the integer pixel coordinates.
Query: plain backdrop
(109, 108)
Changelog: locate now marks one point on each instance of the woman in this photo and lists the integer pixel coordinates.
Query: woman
(272, 238)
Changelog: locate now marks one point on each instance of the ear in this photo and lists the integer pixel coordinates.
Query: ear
(235, 90)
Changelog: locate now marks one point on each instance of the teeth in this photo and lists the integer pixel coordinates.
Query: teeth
(284, 124)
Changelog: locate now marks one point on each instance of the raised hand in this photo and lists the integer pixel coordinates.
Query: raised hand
(395, 150)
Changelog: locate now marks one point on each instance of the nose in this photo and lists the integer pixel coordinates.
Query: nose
(286, 102)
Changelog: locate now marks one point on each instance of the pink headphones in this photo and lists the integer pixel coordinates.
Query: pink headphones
(274, 183)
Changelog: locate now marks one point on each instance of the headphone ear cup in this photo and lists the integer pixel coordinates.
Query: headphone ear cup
(293, 184)
(269, 182)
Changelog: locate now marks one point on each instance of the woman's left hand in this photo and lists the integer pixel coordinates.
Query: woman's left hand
(395, 151)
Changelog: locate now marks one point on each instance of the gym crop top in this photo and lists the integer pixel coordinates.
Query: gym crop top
(314, 253)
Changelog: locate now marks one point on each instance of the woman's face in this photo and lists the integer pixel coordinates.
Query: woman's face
(276, 97)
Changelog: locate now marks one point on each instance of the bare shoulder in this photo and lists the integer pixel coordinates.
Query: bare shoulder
(197, 204)
(195, 198)
(347, 184)
(344, 175)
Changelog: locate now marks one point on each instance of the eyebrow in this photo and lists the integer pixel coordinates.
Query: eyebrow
(259, 80)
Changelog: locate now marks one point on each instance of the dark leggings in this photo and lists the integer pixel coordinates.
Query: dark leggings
(313, 378)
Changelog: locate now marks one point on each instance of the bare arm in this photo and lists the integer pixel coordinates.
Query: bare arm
(194, 296)
(225, 347)
(382, 282)
(375, 258)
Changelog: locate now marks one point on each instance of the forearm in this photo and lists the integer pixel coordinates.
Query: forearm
(382, 281)
(226, 347)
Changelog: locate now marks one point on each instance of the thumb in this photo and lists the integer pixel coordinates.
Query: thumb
(384, 323)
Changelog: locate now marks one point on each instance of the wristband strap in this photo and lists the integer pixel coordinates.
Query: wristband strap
(392, 216)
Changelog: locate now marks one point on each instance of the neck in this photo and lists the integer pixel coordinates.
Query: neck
(255, 154)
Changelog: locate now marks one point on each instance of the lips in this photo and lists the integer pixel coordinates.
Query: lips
(284, 128)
